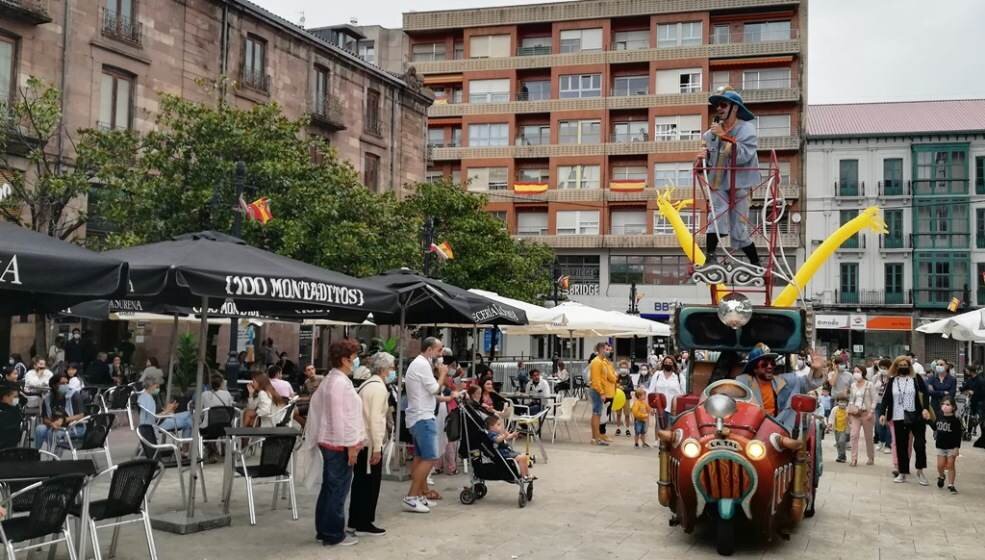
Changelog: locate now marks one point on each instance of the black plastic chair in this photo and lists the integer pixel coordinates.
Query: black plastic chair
(578, 386)
(53, 498)
(23, 502)
(95, 439)
(127, 498)
(288, 413)
(116, 400)
(275, 468)
(215, 420)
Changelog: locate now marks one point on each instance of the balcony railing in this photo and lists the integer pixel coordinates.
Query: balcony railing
(887, 242)
(940, 297)
(933, 187)
(754, 37)
(630, 45)
(121, 27)
(625, 137)
(533, 139)
(533, 51)
(873, 297)
(849, 189)
(894, 187)
(533, 96)
(254, 79)
(328, 112)
(30, 11)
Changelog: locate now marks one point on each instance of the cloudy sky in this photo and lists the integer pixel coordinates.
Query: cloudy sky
(860, 50)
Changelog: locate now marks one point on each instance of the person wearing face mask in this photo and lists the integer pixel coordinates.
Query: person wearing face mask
(941, 384)
(167, 419)
(624, 415)
(861, 415)
(367, 473)
(37, 378)
(907, 404)
(60, 407)
(73, 347)
(646, 377)
(880, 381)
(602, 379)
(668, 383)
(840, 379)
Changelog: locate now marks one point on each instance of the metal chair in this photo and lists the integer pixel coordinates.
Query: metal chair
(127, 498)
(215, 421)
(23, 501)
(169, 456)
(116, 400)
(275, 468)
(49, 516)
(95, 439)
(288, 412)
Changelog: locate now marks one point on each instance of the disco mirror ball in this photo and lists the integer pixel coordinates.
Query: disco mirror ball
(735, 310)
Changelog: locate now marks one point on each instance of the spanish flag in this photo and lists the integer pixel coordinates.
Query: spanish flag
(443, 251)
(953, 305)
(258, 210)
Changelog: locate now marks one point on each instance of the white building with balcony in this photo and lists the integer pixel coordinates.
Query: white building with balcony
(923, 164)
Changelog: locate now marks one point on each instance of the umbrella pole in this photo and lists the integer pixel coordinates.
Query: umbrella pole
(475, 346)
(203, 331)
(400, 375)
(173, 349)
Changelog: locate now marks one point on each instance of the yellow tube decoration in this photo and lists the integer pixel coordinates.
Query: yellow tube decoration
(671, 213)
(868, 218)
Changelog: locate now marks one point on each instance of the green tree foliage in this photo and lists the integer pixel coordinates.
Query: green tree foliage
(168, 182)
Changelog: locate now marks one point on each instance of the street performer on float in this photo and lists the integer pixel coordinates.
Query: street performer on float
(731, 142)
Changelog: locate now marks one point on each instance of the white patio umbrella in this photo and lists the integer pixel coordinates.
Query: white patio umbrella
(536, 315)
(582, 320)
(966, 327)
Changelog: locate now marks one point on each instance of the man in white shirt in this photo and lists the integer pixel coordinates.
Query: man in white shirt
(422, 399)
(539, 387)
(37, 379)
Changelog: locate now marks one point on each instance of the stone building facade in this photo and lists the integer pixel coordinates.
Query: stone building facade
(113, 63)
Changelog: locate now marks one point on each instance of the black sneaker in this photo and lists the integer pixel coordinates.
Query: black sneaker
(952, 489)
(368, 531)
(618, 431)
(895, 473)
(940, 481)
(636, 445)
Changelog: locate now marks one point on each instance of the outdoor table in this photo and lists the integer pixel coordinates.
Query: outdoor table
(231, 435)
(18, 471)
(524, 419)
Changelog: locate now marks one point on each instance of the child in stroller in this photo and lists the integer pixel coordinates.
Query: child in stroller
(499, 437)
(484, 458)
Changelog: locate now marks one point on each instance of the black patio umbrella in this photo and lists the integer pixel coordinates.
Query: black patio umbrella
(206, 269)
(43, 274)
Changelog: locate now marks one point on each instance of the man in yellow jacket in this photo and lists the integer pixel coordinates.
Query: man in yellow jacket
(603, 387)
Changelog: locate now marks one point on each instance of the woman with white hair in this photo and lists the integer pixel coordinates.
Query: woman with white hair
(368, 471)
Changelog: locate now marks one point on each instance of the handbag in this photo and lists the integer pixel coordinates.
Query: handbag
(854, 410)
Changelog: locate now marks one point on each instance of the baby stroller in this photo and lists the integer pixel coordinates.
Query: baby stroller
(486, 462)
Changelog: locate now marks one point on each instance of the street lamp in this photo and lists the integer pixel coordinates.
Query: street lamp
(427, 239)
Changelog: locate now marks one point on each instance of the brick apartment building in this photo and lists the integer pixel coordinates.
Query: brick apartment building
(112, 59)
(572, 116)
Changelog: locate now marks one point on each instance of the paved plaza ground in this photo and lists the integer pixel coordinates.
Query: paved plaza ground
(593, 503)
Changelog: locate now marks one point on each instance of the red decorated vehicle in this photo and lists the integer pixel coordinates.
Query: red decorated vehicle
(723, 458)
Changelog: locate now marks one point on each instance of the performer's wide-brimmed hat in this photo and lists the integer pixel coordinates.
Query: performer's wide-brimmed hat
(729, 95)
(757, 354)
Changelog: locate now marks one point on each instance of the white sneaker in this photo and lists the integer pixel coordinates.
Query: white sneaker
(430, 481)
(412, 505)
(900, 478)
(349, 540)
(427, 503)
(922, 479)
(887, 450)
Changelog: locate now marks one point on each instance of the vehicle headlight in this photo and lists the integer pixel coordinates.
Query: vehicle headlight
(691, 448)
(755, 450)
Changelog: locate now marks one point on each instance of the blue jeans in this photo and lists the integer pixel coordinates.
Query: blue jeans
(330, 508)
(180, 421)
(42, 433)
(882, 432)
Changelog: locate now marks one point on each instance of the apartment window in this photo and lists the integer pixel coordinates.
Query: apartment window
(531, 46)
(773, 125)
(631, 40)
(940, 170)
(672, 175)
(720, 34)
(579, 177)
(635, 131)
(254, 73)
(434, 176)
(653, 270)
(629, 173)
(373, 123)
(533, 175)
(577, 222)
(488, 178)
(720, 79)
(628, 222)
(436, 137)
(848, 282)
(679, 81)
(371, 171)
(534, 135)
(581, 268)
(531, 223)
(662, 227)
(894, 223)
(941, 224)
(892, 177)
(980, 228)
(456, 137)
(580, 132)
(848, 177)
(489, 135)
(979, 173)
(428, 52)
(845, 216)
(489, 91)
(8, 69)
(679, 34)
(456, 176)
(116, 100)
(367, 51)
(784, 172)
(682, 127)
(489, 46)
(580, 40)
(766, 31)
(119, 22)
(939, 276)
(500, 215)
(767, 78)
(320, 94)
(624, 86)
(535, 90)
(894, 283)
(580, 85)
